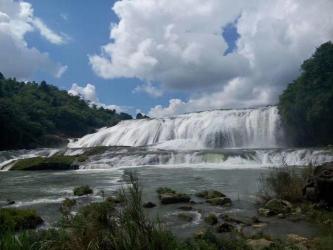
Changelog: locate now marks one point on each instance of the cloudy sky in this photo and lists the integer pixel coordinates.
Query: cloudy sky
(163, 57)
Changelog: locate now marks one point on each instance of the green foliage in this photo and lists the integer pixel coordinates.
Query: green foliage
(35, 115)
(57, 162)
(82, 190)
(306, 106)
(284, 183)
(12, 219)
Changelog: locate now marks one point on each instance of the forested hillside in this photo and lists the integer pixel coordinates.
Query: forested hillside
(38, 115)
(306, 106)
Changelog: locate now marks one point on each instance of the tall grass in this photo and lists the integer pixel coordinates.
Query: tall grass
(284, 182)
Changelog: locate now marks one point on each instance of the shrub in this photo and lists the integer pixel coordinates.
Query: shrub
(12, 219)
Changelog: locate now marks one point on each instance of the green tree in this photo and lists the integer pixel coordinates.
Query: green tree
(306, 106)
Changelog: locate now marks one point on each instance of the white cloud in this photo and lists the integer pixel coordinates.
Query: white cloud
(88, 93)
(47, 33)
(178, 44)
(149, 89)
(18, 59)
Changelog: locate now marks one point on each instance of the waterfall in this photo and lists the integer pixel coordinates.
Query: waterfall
(243, 128)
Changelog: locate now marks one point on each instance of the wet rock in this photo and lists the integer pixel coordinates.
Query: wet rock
(320, 185)
(149, 204)
(265, 212)
(10, 202)
(82, 190)
(211, 219)
(259, 244)
(210, 194)
(174, 198)
(169, 196)
(238, 220)
(278, 206)
(188, 217)
(225, 228)
(113, 199)
(186, 208)
(222, 201)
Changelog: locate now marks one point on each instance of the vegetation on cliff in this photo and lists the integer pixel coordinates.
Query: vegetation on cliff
(306, 106)
(37, 115)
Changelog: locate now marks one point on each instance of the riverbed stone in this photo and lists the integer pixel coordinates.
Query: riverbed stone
(259, 244)
(221, 201)
(210, 194)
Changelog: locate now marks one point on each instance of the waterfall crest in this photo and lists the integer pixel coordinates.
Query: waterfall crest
(243, 128)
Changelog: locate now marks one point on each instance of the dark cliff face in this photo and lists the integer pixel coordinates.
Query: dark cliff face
(40, 115)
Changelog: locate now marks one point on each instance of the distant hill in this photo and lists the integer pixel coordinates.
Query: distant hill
(40, 115)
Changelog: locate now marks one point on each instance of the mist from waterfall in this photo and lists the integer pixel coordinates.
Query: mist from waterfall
(243, 128)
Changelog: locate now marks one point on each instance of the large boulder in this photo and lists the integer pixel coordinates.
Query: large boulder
(320, 185)
(278, 206)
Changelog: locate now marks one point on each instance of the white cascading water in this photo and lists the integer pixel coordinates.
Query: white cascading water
(246, 138)
(244, 128)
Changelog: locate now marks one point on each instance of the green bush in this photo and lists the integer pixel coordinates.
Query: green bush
(12, 219)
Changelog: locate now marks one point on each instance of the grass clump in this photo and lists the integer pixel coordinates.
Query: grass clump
(57, 162)
(82, 190)
(284, 183)
(12, 219)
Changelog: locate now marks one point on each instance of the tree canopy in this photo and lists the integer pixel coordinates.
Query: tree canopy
(306, 106)
(39, 115)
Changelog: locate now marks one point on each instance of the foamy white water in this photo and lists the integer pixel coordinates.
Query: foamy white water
(245, 128)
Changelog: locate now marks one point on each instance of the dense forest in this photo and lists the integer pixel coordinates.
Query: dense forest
(40, 115)
(306, 106)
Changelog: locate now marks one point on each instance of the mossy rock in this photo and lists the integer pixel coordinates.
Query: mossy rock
(12, 219)
(165, 190)
(82, 190)
(58, 162)
(170, 196)
(222, 201)
(278, 206)
(149, 204)
(211, 219)
(210, 194)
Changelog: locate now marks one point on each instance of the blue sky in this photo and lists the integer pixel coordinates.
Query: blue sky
(163, 57)
(88, 26)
